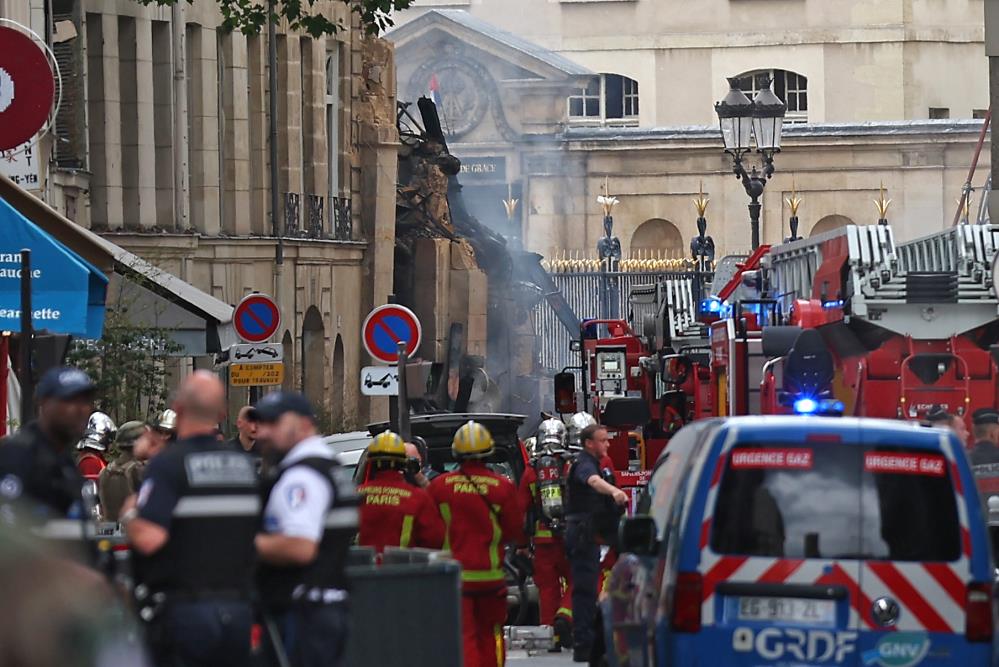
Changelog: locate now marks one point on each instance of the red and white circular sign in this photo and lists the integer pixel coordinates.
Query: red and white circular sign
(27, 88)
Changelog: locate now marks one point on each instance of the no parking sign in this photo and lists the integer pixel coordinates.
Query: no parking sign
(387, 326)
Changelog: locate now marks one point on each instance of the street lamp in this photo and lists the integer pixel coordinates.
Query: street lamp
(741, 120)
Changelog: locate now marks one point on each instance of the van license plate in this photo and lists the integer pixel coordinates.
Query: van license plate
(792, 610)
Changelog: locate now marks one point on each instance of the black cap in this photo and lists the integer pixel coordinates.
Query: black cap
(64, 382)
(937, 415)
(272, 406)
(984, 416)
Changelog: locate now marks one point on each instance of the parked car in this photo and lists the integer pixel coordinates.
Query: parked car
(805, 540)
(349, 448)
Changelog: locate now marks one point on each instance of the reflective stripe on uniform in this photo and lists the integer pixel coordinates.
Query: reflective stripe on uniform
(407, 531)
(60, 529)
(343, 517)
(446, 514)
(247, 504)
(482, 575)
(494, 547)
(564, 611)
(500, 648)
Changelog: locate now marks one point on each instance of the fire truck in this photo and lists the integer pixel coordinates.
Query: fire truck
(848, 322)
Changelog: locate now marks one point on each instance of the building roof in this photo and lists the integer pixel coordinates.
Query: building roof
(465, 21)
(884, 129)
(113, 258)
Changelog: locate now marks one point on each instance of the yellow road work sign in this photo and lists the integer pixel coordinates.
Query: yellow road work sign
(256, 375)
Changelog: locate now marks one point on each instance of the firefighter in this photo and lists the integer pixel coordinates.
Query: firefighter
(93, 446)
(310, 518)
(591, 510)
(985, 451)
(481, 513)
(191, 531)
(577, 423)
(394, 512)
(542, 495)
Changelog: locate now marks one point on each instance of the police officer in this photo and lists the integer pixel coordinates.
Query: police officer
(985, 429)
(938, 417)
(191, 530)
(592, 512)
(394, 511)
(310, 517)
(122, 477)
(37, 470)
(481, 513)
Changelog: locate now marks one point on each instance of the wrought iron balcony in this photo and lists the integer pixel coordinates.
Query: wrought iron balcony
(340, 227)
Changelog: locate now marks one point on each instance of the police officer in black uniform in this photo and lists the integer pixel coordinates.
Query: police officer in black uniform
(985, 423)
(39, 480)
(592, 512)
(191, 530)
(310, 516)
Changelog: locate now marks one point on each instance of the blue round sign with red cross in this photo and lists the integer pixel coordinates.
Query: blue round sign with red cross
(256, 318)
(387, 326)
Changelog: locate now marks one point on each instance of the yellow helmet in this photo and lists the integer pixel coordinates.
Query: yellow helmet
(473, 440)
(387, 445)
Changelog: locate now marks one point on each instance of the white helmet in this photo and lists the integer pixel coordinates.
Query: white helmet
(577, 423)
(99, 434)
(551, 436)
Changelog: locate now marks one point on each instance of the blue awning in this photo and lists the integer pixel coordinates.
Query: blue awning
(67, 292)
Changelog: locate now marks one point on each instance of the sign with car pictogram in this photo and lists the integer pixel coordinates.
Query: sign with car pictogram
(380, 381)
(256, 353)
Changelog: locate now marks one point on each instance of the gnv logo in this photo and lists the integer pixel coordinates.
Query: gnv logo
(903, 649)
(810, 646)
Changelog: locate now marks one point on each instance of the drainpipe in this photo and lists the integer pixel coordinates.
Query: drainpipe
(181, 157)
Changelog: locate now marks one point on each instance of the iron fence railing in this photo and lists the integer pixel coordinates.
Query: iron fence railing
(584, 292)
(312, 222)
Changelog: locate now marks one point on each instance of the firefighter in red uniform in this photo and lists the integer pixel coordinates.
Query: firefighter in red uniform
(541, 494)
(481, 513)
(94, 445)
(395, 513)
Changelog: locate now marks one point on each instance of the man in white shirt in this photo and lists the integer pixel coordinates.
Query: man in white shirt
(310, 517)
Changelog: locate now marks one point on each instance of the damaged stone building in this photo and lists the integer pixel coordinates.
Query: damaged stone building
(161, 145)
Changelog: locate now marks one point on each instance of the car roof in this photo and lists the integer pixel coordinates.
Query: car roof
(914, 433)
(440, 422)
(348, 442)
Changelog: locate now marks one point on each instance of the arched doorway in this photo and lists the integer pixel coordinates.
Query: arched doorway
(289, 362)
(336, 391)
(657, 236)
(313, 359)
(829, 223)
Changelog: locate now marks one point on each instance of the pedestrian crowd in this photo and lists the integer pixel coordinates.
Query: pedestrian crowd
(238, 548)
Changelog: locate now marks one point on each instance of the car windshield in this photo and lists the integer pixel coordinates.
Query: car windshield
(828, 500)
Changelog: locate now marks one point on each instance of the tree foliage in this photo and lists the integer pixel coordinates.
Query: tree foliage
(129, 366)
(250, 16)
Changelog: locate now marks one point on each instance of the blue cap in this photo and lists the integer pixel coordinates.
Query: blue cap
(272, 406)
(64, 382)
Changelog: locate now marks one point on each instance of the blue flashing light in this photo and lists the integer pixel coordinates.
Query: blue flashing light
(806, 406)
(832, 304)
(711, 305)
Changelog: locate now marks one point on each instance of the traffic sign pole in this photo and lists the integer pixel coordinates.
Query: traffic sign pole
(404, 431)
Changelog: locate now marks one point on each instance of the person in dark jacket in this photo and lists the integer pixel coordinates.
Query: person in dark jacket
(37, 464)
(986, 433)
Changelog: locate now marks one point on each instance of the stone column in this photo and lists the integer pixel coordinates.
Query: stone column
(235, 136)
(259, 199)
(145, 133)
(203, 109)
(104, 121)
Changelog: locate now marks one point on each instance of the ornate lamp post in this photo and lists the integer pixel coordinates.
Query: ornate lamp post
(741, 120)
(609, 253)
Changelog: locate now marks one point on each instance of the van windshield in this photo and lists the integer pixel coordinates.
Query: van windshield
(829, 500)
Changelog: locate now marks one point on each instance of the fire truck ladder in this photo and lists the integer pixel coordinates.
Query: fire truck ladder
(934, 287)
(671, 303)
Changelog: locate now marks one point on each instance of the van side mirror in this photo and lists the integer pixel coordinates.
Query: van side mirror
(565, 393)
(638, 536)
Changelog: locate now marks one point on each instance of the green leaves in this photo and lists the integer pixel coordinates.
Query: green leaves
(250, 16)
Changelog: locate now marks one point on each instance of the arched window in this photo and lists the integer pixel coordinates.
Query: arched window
(657, 235)
(790, 87)
(313, 356)
(829, 223)
(609, 99)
